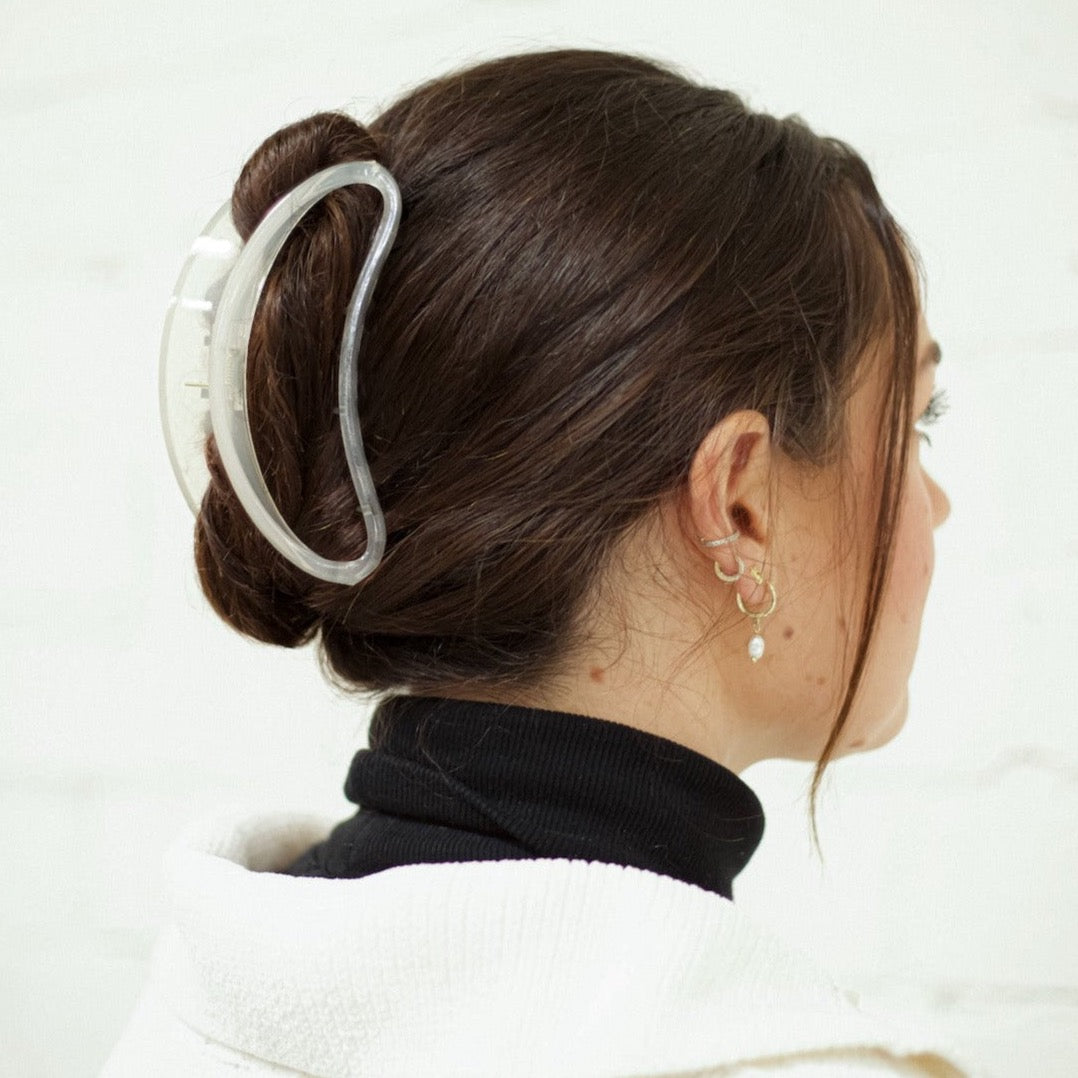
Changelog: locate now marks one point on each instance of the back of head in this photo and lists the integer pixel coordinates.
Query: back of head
(598, 260)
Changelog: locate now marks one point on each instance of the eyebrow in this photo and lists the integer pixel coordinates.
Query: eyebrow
(932, 355)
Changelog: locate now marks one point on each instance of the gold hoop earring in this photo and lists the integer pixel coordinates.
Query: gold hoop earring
(728, 579)
(725, 541)
(756, 644)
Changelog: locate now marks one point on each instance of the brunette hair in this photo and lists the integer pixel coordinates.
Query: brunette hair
(598, 260)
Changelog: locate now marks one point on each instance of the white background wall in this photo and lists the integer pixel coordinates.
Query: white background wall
(949, 884)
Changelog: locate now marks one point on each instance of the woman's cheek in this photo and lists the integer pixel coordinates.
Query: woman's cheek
(914, 554)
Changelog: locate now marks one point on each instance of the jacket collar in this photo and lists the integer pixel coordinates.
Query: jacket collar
(549, 968)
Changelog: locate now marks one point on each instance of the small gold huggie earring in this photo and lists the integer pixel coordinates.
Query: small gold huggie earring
(756, 644)
(725, 541)
(727, 578)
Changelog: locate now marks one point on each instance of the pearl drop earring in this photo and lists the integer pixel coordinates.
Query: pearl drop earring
(756, 644)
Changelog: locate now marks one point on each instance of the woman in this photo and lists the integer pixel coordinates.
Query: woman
(642, 387)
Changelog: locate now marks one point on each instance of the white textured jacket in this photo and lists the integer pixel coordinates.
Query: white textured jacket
(508, 968)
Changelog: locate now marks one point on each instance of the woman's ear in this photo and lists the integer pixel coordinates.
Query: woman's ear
(729, 488)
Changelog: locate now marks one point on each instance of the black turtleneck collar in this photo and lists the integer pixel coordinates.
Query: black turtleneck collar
(456, 780)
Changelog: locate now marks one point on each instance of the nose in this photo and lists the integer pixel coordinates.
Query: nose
(941, 504)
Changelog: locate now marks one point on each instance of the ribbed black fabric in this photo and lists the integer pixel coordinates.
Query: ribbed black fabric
(452, 780)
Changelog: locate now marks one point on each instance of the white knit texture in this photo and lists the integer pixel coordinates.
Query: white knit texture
(505, 967)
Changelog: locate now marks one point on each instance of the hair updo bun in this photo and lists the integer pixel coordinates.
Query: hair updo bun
(292, 387)
(598, 260)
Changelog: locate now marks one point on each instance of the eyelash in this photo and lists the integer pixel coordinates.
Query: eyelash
(937, 407)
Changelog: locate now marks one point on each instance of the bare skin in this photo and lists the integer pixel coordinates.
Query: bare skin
(654, 658)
